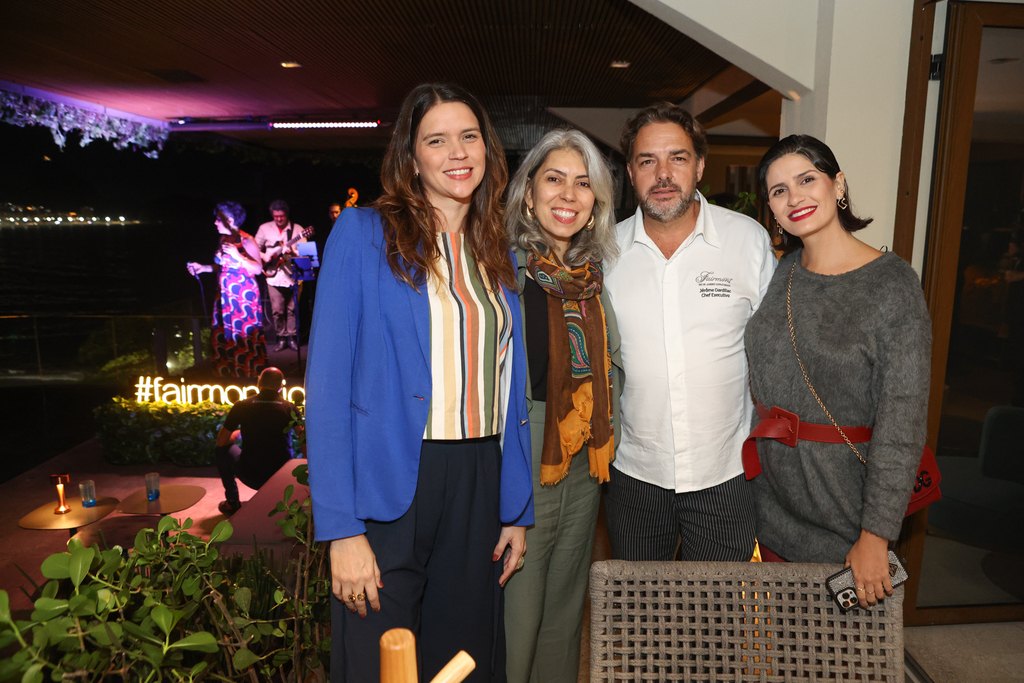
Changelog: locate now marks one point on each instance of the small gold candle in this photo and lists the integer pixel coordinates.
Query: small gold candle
(59, 480)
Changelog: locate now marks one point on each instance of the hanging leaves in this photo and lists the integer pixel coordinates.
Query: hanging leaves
(25, 110)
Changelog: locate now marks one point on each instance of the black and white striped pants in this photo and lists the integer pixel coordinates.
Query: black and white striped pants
(647, 522)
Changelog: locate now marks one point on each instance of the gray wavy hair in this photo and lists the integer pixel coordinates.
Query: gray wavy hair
(597, 244)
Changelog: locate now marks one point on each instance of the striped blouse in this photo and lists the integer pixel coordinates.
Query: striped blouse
(470, 330)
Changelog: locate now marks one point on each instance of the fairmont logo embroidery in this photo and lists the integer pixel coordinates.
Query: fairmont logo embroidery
(714, 287)
(708, 278)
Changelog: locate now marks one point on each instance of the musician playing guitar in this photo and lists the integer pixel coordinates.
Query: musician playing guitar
(277, 240)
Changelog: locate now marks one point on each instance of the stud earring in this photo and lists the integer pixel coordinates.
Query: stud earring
(590, 223)
(841, 202)
(529, 213)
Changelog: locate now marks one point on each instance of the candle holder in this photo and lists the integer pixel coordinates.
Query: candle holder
(59, 480)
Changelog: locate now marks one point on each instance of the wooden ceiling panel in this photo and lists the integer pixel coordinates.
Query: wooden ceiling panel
(518, 56)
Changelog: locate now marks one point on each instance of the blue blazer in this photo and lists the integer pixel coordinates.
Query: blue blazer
(368, 389)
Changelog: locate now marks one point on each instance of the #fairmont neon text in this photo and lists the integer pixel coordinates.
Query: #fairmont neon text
(152, 389)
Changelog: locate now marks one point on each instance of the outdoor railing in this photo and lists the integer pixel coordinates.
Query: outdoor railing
(102, 347)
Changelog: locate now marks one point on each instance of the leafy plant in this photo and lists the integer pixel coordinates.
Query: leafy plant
(744, 202)
(172, 609)
(62, 118)
(132, 432)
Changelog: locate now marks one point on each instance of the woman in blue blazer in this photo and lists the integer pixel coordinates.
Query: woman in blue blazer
(418, 430)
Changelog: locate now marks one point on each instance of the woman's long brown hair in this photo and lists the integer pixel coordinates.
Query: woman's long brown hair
(410, 224)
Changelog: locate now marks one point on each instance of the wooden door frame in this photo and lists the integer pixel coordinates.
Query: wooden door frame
(956, 115)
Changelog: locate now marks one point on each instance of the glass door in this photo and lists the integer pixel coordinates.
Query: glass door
(970, 552)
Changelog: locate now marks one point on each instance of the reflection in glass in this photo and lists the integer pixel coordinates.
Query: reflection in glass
(974, 550)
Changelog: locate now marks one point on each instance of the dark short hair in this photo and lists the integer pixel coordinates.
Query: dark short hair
(279, 205)
(664, 112)
(233, 209)
(819, 154)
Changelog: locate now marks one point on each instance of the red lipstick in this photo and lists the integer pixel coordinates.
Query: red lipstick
(801, 214)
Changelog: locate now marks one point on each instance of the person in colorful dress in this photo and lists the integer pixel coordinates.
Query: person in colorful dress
(560, 218)
(418, 434)
(237, 325)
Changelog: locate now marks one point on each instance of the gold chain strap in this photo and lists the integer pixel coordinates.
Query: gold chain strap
(792, 335)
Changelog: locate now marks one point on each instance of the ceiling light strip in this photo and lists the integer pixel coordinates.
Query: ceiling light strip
(326, 124)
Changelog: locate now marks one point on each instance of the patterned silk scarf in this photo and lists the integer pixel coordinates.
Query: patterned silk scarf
(579, 408)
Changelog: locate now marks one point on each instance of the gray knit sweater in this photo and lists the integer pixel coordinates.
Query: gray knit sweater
(865, 340)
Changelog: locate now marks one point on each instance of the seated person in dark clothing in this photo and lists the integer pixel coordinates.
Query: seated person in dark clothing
(263, 423)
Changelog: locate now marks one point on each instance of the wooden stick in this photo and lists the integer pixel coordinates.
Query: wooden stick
(456, 670)
(398, 657)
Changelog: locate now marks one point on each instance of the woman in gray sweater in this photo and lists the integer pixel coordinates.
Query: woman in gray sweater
(862, 331)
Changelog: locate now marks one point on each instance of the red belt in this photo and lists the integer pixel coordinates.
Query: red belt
(786, 427)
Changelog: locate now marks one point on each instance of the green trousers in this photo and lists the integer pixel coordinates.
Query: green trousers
(544, 600)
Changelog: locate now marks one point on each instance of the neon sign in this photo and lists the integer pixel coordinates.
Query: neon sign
(153, 389)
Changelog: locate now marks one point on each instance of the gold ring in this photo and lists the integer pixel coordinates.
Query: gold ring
(352, 597)
(872, 592)
(519, 565)
(860, 588)
(360, 597)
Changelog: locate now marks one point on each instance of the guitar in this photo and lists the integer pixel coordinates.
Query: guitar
(281, 261)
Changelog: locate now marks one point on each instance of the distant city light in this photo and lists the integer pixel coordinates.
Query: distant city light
(328, 124)
(620, 65)
(120, 218)
(291, 65)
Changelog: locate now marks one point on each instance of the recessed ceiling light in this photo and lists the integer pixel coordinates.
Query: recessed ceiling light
(290, 65)
(620, 65)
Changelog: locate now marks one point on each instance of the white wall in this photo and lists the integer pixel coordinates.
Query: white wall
(843, 66)
(762, 37)
(866, 97)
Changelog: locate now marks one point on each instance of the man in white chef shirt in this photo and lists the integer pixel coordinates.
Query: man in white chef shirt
(689, 276)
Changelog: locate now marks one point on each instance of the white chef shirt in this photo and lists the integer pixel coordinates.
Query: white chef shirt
(686, 402)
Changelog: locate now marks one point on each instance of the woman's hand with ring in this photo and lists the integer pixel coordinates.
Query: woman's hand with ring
(869, 558)
(355, 576)
(513, 537)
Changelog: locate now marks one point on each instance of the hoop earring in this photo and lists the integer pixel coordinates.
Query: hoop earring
(842, 203)
(590, 223)
(529, 213)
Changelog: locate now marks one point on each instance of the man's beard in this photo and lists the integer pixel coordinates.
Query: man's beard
(667, 213)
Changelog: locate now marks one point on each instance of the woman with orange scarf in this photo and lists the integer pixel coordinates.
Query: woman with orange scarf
(559, 219)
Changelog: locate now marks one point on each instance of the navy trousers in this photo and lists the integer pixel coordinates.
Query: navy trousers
(439, 579)
(230, 466)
